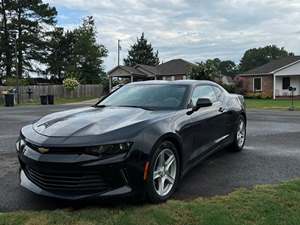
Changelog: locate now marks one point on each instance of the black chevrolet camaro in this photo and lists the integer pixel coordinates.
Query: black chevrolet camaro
(140, 139)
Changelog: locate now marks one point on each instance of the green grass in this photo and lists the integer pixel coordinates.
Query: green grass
(262, 205)
(57, 101)
(271, 104)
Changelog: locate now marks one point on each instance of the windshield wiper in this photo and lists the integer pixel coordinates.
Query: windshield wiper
(100, 106)
(135, 106)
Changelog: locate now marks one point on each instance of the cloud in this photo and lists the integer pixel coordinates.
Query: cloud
(190, 29)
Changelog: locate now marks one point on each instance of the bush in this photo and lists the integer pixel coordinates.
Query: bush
(105, 83)
(70, 84)
(233, 88)
(257, 95)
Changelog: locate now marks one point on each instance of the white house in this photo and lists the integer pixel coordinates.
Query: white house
(274, 78)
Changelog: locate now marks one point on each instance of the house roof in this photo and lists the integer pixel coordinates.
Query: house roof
(150, 69)
(132, 70)
(272, 66)
(174, 67)
(128, 69)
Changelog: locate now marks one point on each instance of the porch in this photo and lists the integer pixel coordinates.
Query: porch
(282, 84)
(129, 74)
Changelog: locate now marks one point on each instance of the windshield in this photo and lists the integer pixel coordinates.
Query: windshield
(153, 96)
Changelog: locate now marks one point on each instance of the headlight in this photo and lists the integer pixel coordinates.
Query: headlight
(109, 150)
(20, 144)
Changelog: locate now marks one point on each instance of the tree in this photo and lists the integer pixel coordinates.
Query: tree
(228, 68)
(204, 71)
(26, 23)
(6, 46)
(32, 22)
(77, 52)
(259, 56)
(61, 59)
(142, 53)
(87, 53)
(57, 57)
(213, 69)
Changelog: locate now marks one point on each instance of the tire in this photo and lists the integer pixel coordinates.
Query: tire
(162, 180)
(239, 136)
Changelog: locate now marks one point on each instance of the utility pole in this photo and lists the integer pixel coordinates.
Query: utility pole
(119, 49)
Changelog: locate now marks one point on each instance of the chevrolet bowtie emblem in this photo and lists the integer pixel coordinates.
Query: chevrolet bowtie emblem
(43, 150)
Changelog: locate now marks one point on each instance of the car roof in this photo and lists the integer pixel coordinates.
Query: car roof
(174, 82)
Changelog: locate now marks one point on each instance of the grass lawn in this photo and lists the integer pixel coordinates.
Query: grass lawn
(58, 101)
(267, 204)
(271, 104)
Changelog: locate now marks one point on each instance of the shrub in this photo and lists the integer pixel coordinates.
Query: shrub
(258, 95)
(233, 88)
(105, 83)
(70, 84)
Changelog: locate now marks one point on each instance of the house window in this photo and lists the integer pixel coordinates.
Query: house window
(257, 84)
(286, 83)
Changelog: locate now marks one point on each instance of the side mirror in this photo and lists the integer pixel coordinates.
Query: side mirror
(201, 103)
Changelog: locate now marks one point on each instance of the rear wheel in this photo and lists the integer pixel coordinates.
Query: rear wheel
(239, 136)
(163, 173)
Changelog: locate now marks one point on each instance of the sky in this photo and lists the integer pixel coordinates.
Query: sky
(194, 30)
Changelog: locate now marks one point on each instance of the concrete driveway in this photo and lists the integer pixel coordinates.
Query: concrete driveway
(271, 155)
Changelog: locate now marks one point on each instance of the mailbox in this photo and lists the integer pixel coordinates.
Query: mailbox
(292, 88)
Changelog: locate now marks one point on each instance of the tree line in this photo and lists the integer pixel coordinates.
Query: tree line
(31, 42)
(252, 58)
(142, 52)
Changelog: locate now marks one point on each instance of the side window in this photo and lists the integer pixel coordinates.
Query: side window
(219, 93)
(203, 91)
(257, 84)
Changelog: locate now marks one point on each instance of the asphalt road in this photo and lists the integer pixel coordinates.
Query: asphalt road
(271, 155)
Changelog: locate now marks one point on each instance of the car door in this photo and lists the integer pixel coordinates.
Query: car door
(201, 126)
(227, 115)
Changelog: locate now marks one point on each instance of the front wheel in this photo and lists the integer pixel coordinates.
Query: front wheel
(239, 136)
(163, 173)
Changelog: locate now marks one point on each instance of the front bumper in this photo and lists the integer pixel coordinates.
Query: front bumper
(74, 176)
(29, 185)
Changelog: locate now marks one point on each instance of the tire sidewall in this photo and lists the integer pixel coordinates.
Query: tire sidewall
(150, 189)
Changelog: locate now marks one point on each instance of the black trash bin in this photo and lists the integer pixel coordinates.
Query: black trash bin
(50, 99)
(9, 100)
(44, 99)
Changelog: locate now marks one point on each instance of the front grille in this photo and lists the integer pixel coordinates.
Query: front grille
(65, 150)
(68, 181)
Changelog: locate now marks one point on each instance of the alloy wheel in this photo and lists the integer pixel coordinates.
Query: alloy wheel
(241, 133)
(165, 171)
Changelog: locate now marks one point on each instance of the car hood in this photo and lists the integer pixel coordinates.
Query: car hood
(94, 121)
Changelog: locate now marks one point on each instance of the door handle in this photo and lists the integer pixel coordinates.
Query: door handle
(221, 109)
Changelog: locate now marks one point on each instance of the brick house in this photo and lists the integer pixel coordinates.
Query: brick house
(176, 69)
(273, 79)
